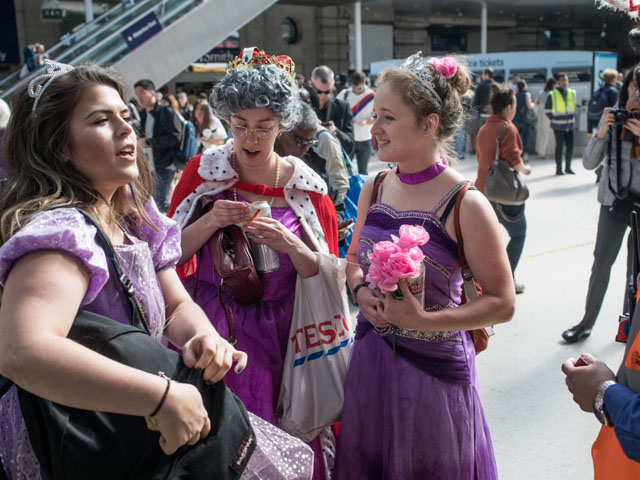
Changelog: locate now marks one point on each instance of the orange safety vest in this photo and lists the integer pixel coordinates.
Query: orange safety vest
(609, 461)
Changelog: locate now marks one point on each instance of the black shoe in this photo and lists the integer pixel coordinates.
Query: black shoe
(559, 172)
(576, 333)
(569, 171)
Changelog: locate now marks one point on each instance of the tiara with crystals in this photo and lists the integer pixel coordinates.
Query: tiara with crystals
(39, 84)
(252, 58)
(420, 70)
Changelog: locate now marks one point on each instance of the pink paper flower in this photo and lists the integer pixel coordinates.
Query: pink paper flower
(401, 265)
(380, 277)
(411, 236)
(416, 254)
(447, 66)
(382, 251)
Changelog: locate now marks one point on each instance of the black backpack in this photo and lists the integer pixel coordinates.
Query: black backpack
(75, 444)
(597, 103)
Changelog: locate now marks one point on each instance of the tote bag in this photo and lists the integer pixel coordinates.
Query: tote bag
(317, 357)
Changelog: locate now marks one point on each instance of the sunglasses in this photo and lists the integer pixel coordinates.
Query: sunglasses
(357, 89)
(322, 92)
(304, 142)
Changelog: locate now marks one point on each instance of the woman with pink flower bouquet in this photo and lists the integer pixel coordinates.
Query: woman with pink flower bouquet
(412, 408)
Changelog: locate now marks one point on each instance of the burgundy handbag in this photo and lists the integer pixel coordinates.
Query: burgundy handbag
(231, 255)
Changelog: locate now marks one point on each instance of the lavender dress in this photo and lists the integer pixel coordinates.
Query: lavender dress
(262, 329)
(417, 413)
(65, 229)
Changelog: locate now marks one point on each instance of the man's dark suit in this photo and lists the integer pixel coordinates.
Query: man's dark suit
(339, 112)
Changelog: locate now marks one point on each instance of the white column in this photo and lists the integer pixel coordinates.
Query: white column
(357, 20)
(88, 11)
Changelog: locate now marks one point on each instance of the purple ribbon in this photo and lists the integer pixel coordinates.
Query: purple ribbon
(425, 175)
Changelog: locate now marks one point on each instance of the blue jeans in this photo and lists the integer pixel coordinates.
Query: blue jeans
(363, 153)
(512, 218)
(162, 178)
(523, 130)
(460, 140)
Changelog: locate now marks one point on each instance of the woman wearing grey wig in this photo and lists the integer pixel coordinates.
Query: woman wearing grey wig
(215, 191)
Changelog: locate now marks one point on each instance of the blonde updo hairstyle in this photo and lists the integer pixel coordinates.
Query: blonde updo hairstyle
(423, 102)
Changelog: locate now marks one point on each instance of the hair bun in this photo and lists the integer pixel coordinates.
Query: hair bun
(461, 81)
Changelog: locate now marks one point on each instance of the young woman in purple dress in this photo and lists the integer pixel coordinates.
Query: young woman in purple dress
(70, 145)
(414, 411)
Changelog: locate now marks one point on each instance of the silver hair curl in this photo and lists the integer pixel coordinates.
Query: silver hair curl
(309, 119)
(267, 87)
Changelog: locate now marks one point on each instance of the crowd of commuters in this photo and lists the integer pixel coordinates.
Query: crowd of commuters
(267, 135)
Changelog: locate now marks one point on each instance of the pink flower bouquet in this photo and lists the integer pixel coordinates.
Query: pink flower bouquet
(400, 258)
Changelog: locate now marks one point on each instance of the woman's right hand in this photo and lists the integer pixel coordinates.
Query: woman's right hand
(608, 120)
(371, 303)
(228, 212)
(182, 418)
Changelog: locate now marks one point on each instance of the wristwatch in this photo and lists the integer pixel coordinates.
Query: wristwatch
(598, 403)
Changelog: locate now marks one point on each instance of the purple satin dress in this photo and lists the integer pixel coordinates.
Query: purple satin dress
(415, 414)
(262, 329)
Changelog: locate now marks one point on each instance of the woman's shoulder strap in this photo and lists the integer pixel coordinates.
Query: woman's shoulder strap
(376, 185)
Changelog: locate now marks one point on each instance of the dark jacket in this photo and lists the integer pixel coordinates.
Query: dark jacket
(318, 163)
(166, 134)
(482, 96)
(339, 112)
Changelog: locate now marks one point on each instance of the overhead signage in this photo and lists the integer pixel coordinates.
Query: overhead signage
(53, 14)
(142, 30)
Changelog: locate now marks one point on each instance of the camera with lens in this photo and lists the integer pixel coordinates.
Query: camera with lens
(620, 115)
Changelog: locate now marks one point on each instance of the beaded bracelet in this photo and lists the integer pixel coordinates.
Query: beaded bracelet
(152, 422)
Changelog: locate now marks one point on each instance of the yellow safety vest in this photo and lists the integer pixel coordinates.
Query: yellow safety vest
(563, 113)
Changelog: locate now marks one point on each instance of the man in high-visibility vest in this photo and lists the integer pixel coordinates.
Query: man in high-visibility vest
(561, 110)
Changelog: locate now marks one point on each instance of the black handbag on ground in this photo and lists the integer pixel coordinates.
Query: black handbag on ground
(71, 443)
(505, 185)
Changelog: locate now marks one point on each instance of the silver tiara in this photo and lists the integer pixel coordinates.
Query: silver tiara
(419, 69)
(39, 84)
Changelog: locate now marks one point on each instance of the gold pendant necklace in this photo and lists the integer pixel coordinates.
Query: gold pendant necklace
(232, 160)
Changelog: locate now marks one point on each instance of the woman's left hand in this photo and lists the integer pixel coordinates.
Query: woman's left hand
(270, 232)
(633, 125)
(214, 355)
(405, 312)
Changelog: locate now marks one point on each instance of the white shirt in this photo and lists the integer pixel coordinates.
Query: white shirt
(361, 133)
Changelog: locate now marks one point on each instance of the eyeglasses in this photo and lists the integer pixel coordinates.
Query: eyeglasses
(304, 142)
(322, 92)
(241, 131)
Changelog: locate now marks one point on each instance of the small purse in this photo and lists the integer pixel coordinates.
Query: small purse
(505, 185)
(530, 116)
(231, 255)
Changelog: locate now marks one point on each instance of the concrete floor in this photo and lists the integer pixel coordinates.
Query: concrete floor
(537, 430)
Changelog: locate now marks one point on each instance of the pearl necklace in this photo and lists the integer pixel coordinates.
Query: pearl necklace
(232, 160)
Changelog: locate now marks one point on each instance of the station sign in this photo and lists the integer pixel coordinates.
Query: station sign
(53, 14)
(142, 30)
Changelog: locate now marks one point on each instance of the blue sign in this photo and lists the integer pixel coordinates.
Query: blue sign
(141, 31)
(9, 48)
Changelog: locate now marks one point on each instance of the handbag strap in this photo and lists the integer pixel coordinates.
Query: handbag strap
(376, 185)
(499, 141)
(137, 317)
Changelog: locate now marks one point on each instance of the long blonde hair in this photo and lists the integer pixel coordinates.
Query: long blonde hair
(36, 146)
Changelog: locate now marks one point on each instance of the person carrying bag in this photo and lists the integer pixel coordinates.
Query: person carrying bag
(500, 169)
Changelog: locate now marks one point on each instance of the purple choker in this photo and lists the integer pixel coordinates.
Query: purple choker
(425, 175)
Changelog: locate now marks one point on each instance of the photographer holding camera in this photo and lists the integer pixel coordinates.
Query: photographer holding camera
(618, 194)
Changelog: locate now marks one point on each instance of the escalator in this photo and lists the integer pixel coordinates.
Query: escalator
(154, 39)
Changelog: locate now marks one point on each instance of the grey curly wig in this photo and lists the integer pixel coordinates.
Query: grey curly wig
(267, 87)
